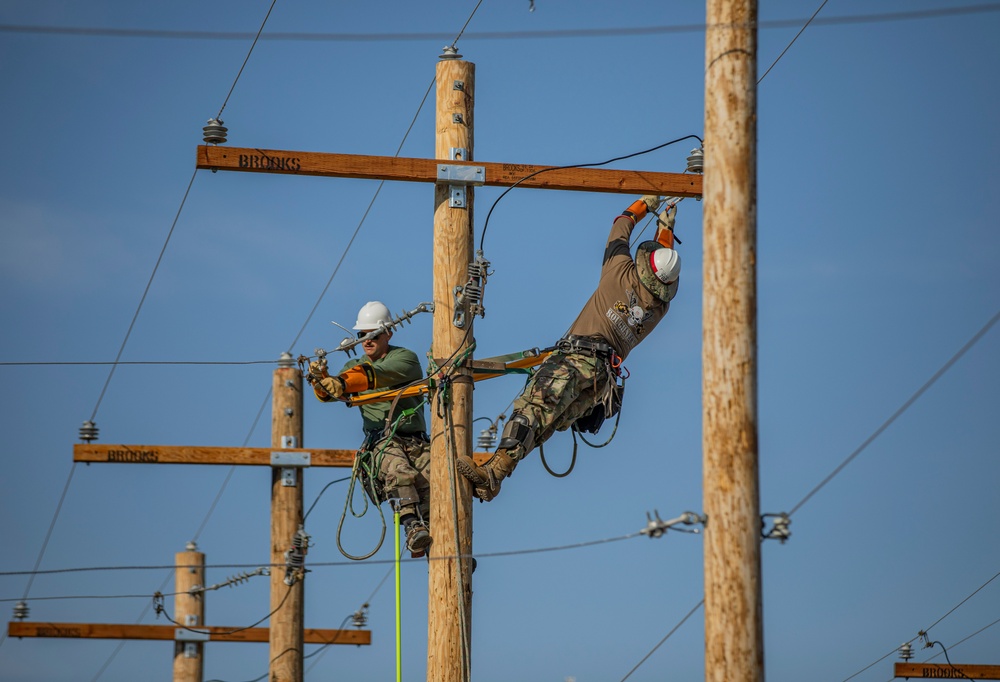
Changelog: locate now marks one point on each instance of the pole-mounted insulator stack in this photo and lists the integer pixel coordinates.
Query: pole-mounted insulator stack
(88, 431)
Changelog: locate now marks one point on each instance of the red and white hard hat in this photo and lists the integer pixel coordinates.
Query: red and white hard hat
(666, 265)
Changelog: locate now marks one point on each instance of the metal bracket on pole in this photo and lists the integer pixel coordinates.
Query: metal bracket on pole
(290, 462)
(185, 635)
(458, 177)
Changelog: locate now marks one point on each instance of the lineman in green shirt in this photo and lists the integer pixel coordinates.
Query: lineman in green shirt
(396, 442)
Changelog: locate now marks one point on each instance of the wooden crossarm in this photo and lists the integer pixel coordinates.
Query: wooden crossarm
(187, 454)
(251, 160)
(169, 632)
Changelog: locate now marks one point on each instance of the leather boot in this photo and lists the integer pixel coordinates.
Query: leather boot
(418, 539)
(486, 479)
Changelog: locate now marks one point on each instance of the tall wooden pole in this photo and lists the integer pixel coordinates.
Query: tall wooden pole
(189, 610)
(734, 649)
(449, 612)
(286, 516)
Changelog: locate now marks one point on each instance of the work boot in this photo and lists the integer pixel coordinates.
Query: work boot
(418, 539)
(486, 479)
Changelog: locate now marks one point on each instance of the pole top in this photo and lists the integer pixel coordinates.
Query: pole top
(449, 52)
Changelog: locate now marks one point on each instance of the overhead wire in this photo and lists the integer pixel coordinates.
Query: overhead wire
(895, 415)
(822, 5)
(631, 31)
(331, 564)
(666, 637)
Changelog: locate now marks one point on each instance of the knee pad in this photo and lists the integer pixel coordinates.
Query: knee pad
(517, 432)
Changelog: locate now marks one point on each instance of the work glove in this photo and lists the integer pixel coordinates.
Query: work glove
(668, 217)
(333, 386)
(652, 202)
(317, 369)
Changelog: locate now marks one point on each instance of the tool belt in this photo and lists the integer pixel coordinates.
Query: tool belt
(586, 345)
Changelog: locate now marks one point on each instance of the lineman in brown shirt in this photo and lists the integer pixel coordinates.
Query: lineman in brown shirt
(577, 381)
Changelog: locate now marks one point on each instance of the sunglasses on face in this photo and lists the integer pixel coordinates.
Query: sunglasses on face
(374, 338)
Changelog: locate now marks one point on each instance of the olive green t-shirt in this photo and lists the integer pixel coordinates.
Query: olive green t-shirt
(398, 367)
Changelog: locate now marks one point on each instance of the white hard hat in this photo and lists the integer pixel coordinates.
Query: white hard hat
(666, 265)
(373, 315)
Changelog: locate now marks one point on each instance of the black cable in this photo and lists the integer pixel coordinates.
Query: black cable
(793, 40)
(630, 31)
(339, 480)
(249, 52)
(895, 415)
(668, 635)
(482, 238)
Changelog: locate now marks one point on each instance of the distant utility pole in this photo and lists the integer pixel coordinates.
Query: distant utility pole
(449, 605)
(734, 647)
(287, 600)
(189, 610)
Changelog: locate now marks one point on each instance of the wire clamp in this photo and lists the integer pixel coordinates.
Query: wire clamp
(779, 527)
(656, 527)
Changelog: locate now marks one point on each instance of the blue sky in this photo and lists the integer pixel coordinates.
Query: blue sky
(877, 247)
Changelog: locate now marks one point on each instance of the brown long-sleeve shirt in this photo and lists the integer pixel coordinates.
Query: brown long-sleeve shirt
(621, 311)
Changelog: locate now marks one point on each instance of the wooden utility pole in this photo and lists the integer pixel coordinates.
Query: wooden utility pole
(189, 610)
(734, 649)
(287, 601)
(449, 608)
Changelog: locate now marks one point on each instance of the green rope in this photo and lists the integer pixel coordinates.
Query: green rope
(369, 463)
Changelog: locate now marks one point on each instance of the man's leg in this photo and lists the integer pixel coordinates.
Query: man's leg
(399, 479)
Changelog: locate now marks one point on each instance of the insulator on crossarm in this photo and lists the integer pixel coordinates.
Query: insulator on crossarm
(696, 161)
(215, 132)
(487, 438)
(360, 617)
(88, 431)
(20, 610)
(906, 651)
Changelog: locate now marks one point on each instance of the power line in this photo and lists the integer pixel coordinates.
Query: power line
(630, 31)
(793, 40)
(668, 635)
(895, 415)
(249, 52)
(328, 564)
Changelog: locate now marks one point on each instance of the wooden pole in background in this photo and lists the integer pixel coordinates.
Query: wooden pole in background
(189, 610)
(286, 516)
(449, 612)
(734, 649)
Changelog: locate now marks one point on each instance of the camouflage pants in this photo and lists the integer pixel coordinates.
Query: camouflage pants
(404, 472)
(565, 388)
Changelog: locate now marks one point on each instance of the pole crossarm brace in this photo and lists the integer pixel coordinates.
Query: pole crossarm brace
(249, 160)
(185, 454)
(170, 632)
